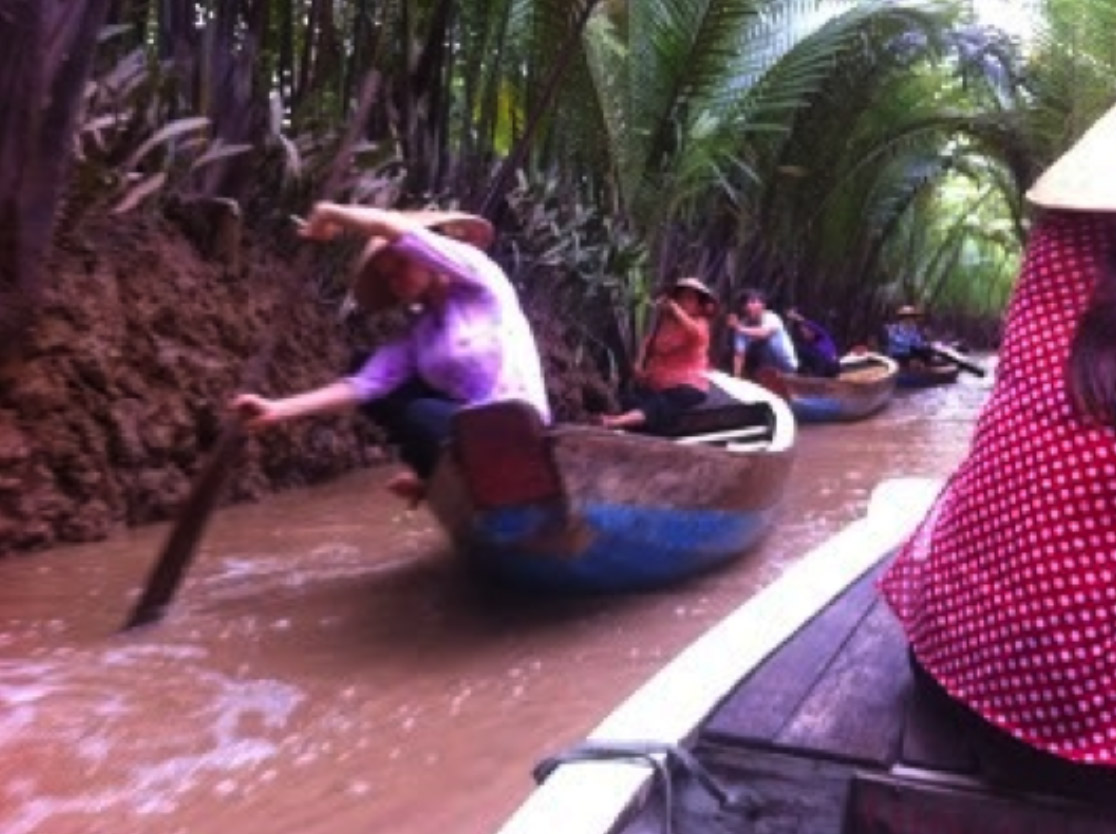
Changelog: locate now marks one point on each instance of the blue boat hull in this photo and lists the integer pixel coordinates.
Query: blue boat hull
(581, 509)
(928, 376)
(822, 409)
(616, 547)
(865, 385)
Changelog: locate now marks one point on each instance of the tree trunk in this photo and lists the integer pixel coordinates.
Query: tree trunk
(43, 68)
(565, 53)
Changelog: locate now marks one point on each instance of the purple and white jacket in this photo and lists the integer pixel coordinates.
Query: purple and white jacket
(478, 348)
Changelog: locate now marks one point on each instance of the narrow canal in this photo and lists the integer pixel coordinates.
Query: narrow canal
(328, 666)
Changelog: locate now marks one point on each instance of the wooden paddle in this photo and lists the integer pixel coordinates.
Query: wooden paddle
(956, 358)
(652, 332)
(182, 543)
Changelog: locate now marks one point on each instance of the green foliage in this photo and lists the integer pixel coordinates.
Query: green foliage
(581, 265)
(1067, 78)
(842, 153)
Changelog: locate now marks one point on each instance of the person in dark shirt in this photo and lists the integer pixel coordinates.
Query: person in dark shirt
(816, 349)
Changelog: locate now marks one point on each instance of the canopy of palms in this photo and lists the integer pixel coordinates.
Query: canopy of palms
(845, 155)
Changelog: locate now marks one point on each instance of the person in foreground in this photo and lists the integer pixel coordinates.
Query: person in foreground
(817, 352)
(669, 372)
(1007, 590)
(468, 342)
(760, 339)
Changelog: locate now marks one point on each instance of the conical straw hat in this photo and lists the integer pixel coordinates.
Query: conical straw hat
(370, 287)
(697, 285)
(1084, 177)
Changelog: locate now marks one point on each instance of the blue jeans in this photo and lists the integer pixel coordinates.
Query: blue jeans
(417, 419)
(758, 353)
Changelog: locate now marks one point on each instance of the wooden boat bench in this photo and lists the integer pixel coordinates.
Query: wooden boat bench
(829, 734)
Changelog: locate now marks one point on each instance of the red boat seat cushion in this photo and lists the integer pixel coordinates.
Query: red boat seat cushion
(504, 455)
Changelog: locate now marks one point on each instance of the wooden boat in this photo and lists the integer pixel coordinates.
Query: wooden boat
(578, 508)
(865, 384)
(795, 714)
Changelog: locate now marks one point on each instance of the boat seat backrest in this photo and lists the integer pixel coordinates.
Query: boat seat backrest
(504, 454)
(719, 414)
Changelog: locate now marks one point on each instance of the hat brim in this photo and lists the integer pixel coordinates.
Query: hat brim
(371, 287)
(697, 286)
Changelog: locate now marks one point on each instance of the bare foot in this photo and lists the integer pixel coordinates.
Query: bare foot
(408, 486)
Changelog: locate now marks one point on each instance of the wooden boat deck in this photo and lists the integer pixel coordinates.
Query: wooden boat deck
(829, 734)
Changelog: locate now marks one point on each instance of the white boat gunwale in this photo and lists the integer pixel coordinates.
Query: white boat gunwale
(785, 424)
(595, 798)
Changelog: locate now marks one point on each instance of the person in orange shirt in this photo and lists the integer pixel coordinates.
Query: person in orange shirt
(670, 371)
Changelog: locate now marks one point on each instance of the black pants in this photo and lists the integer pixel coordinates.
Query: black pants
(1007, 761)
(661, 409)
(417, 419)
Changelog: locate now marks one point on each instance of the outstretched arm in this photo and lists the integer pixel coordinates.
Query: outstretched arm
(259, 412)
(327, 220)
(384, 371)
(452, 258)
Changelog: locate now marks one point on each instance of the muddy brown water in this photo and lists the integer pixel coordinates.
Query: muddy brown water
(329, 667)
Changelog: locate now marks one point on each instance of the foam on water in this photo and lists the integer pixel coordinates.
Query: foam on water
(21, 687)
(219, 732)
(248, 577)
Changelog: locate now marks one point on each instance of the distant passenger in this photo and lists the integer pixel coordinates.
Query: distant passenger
(905, 338)
(817, 352)
(760, 339)
(669, 373)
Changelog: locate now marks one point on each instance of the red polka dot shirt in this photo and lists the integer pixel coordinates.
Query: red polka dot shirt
(1007, 590)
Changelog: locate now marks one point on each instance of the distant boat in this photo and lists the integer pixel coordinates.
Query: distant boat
(578, 508)
(927, 375)
(797, 713)
(945, 365)
(865, 384)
